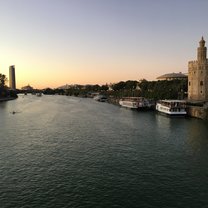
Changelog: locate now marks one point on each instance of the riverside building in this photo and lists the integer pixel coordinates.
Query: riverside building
(173, 76)
(198, 75)
(12, 80)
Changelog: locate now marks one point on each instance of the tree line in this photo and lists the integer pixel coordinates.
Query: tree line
(162, 89)
(165, 89)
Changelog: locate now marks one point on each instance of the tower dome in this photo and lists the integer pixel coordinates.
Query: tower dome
(202, 51)
(202, 42)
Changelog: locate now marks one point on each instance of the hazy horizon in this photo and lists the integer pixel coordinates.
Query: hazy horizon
(53, 43)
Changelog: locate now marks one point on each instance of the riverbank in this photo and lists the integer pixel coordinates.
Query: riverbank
(7, 99)
(194, 110)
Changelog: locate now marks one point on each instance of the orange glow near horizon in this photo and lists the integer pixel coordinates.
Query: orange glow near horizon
(44, 68)
(41, 74)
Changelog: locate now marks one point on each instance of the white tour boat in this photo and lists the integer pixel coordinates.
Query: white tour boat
(172, 107)
(134, 102)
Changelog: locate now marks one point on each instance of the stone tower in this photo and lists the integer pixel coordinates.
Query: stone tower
(12, 80)
(198, 75)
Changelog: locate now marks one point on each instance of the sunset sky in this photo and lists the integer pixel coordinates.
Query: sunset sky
(57, 42)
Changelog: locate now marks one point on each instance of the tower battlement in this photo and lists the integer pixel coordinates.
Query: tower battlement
(195, 63)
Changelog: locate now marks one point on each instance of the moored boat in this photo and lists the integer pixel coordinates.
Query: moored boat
(172, 107)
(100, 98)
(135, 102)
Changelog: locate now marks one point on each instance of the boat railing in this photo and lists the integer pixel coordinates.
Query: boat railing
(136, 99)
(173, 104)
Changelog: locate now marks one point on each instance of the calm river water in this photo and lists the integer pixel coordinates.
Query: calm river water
(60, 151)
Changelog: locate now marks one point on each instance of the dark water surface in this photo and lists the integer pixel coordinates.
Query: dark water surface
(62, 151)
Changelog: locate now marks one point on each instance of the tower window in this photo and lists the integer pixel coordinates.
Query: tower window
(189, 83)
(201, 83)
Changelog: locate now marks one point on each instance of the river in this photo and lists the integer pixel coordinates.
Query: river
(59, 151)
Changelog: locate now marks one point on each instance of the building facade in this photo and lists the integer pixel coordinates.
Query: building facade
(198, 75)
(12, 79)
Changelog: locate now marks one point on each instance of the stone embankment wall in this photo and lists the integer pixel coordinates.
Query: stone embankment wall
(198, 112)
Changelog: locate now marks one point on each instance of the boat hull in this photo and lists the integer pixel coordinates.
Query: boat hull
(138, 103)
(170, 111)
(128, 104)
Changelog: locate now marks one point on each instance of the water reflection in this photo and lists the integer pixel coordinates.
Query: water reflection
(59, 142)
(162, 121)
(197, 135)
(3, 105)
